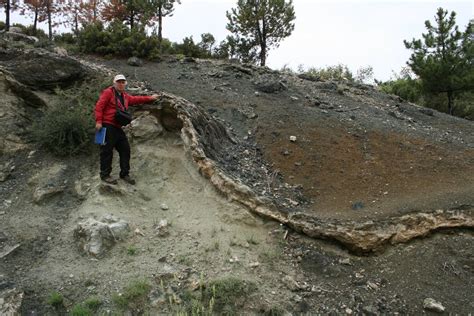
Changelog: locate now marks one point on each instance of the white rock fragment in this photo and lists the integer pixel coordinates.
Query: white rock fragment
(432, 305)
(293, 138)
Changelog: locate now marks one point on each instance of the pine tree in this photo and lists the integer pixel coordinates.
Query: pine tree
(9, 6)
(262, 23)
(33, 7)
(444, 59)
(162, 8)
(132, 12)
(80, 12)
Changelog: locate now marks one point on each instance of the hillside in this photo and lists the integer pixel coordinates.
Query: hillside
(366, 173)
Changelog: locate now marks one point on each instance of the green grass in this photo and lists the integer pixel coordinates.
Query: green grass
(80, 310)
(134, 295)
(55, 299)
(93, 303)
(228, 295)
(132, 250)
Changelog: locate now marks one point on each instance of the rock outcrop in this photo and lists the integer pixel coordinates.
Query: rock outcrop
(95, 237)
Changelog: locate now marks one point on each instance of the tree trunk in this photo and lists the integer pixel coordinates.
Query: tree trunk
(263, 54)
(132, 17)
(7, 16)
(263, 44)
(76, 25)
(50, 27)
(160, 26)
(450, 103)
(35, 22)
(95, 11)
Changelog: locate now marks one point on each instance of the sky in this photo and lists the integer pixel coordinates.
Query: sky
(356, 33)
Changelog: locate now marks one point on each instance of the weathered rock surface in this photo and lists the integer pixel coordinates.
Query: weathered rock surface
(18, 36)
(209, 141)
(269, 84)
(10, 301)
(146, 127)
(95, 237)
(135, 61)
(432, 305)
(49, 182)
(41, 69)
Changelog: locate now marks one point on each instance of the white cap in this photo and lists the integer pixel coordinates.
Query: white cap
(119, 77)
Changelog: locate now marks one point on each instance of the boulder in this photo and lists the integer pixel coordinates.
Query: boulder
(60, 51)
(41, 69)
(268, 84)
(146, 127)
(96, 237)
(18, 36)
(135, 61)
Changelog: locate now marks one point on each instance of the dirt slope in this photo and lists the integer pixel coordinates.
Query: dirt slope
(353, 145)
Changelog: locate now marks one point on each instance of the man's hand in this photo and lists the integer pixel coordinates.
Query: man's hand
(155, 97)
(98, 126)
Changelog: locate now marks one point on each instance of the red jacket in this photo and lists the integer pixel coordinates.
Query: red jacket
(105, 107)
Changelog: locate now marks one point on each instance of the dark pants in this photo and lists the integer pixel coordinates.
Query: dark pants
(114, 138)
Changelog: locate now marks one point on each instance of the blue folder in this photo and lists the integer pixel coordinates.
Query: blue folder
(100, 136)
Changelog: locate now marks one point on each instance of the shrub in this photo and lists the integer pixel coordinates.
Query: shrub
(93, 303)
(406, 88)
(93, 39)
(227, 295)
(64, 130)
(39, 33)
(66, 38)
(80, 310)
(338, 73)
(55, 299)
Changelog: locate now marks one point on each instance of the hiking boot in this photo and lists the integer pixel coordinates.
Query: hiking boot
(109, 180)
(128, 180)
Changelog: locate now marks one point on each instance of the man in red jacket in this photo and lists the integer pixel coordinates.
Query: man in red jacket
(105, 108)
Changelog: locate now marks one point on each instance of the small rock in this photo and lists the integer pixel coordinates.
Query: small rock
(372, 285)
(345, 261)
(357, 206)
(293, 138)
(138, 232)
(370, 310)
(432, 305)
(348, 311)
(294, 98)
(164, 207)
(291, 283)
(254, 264)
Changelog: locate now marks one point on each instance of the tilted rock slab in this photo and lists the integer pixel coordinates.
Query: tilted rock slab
(204, 137)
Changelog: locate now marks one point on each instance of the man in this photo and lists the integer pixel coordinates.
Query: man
(105, 109)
